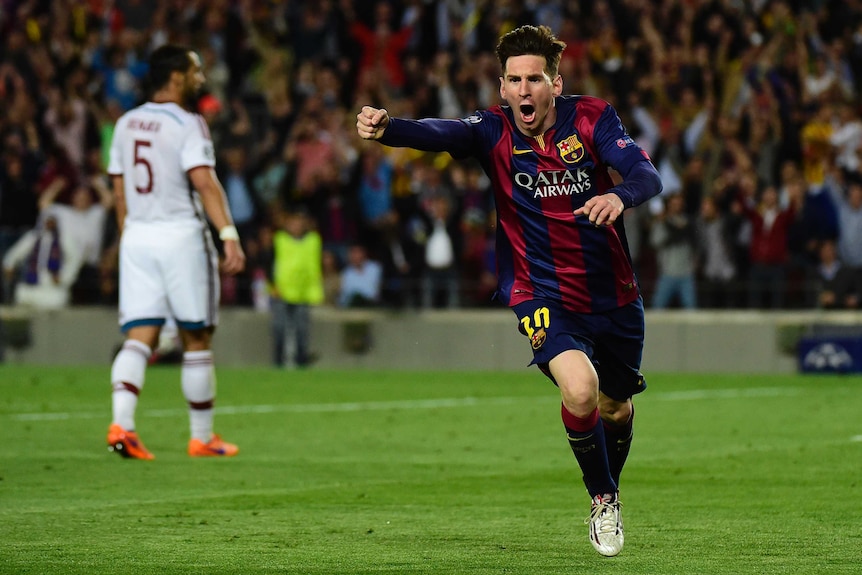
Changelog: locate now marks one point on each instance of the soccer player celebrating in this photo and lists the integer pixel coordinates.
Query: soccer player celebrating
(162, 168)
(562, 258)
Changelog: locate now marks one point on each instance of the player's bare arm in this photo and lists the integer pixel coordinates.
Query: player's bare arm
(602, 210)
(119, 201)
(215, 203)
(371, 122)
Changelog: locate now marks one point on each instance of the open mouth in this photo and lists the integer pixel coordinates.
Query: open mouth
(528, 113)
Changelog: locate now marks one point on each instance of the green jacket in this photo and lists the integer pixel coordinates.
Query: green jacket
(297, 272)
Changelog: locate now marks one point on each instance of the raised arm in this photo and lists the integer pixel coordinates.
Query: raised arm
(428, 134)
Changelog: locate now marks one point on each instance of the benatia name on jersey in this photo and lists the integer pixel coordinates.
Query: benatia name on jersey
(552, 183)
(140, 125)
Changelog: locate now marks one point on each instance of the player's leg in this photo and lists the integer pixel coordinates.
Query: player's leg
(128, 373)
(561, 344)
(193, 292)
(127, 380)
(199, 389)
(618, 352)
(143, 309)
(197, 376)
(562, 348)
(576, 377)
(618, 422)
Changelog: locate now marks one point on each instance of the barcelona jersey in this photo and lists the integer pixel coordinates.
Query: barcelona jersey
(543, 251)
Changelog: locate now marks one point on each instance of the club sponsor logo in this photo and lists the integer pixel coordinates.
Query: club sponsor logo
(553, 183)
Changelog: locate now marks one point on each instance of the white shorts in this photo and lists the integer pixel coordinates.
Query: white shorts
(168, 271)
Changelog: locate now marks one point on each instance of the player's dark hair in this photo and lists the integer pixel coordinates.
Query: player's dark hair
(534, 41)
(164, 61)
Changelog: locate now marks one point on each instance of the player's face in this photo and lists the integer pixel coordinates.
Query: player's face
(530, 92)
(194, 79)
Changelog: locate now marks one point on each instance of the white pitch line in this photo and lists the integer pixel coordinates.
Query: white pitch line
(694, 394)
(305, 407)
(856, 438)
(440, 403)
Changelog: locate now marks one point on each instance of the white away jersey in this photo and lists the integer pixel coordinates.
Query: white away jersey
(154, 147)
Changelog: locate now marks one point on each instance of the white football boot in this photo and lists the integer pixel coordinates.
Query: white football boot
(606, 524)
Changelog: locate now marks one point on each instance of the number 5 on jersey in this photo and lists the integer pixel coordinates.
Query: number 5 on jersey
(141, 160)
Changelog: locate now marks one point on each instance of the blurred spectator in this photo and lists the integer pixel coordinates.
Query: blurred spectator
(376, 174)
(768, 249)
(402, 269)
(381, 45)
(846, 137)
(235, 175)
(316, 39)
(120, 69)
(361, 279)
(836, 285)
(440, 285)
(673, 237)
(311, 151)
(848, 199)
(68, 120)
(716, 234)
(82, 224)
(298, 285)
(40, 268)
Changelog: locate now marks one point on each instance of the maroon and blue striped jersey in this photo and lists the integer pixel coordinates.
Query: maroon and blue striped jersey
(543, 251)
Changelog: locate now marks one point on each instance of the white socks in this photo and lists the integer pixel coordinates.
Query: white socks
(127, 380)
(198, 381)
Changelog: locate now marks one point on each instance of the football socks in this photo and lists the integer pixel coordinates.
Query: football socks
(587, 439)
(198, 382)
(127, 380)
(619, 441)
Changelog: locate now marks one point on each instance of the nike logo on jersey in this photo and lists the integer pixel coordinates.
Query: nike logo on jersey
(518, 151)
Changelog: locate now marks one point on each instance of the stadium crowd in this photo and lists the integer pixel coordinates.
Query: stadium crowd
(750, 110)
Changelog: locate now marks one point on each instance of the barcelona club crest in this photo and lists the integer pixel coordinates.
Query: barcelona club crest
(538, 338)
(571, 149)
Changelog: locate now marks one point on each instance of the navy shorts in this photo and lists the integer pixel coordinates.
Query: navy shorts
(612, 340)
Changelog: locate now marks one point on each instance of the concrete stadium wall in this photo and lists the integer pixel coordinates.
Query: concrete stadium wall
(677, 341)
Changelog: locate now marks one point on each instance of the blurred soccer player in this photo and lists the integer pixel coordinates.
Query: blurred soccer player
(562, 257)
(162, 167)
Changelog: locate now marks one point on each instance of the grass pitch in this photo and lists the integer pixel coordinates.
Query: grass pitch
(426, 473)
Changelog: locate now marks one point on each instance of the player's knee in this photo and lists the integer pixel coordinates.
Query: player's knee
(196, 340)
(615, 412)
(579, 397)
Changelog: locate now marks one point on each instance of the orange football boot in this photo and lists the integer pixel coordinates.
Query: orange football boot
(127, 443)
(215, 447)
